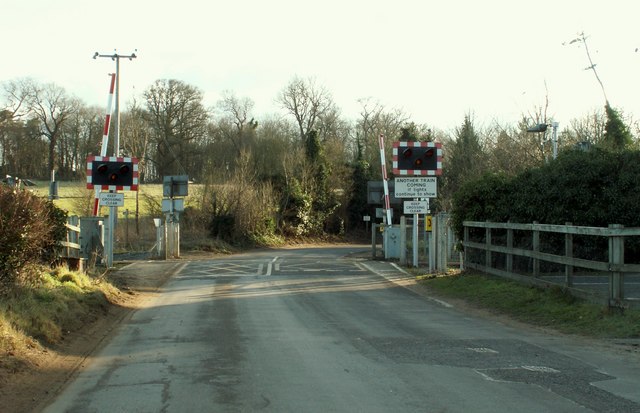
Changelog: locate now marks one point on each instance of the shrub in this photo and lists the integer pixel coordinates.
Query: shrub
(594, 188)
(30, 228)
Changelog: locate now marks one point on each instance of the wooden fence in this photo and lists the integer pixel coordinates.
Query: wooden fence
(489, 247)
(70, 251)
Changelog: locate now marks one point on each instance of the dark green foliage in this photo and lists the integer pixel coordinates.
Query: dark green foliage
(30, 228)
(616, 134)
(594, 188)
(358, 202)
(296, 210)
(466, 159)
(484, 199)
(315, 204)
(408, 134)
(222, 227)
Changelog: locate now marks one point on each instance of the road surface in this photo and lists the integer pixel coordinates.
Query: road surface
(313, 330)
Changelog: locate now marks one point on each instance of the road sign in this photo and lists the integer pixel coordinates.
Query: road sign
(416, 187)
(417, 158)
(427, 223)
(176, 185)
(416, 207)
(111, 199)
(173, 205)
(112, 173)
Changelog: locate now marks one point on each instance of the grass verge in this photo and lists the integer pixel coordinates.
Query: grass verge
(40, 315)
(550, 307)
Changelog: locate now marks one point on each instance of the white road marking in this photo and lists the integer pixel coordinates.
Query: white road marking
(410, 277)
(482, 350)
(541, 369)
(270, 265)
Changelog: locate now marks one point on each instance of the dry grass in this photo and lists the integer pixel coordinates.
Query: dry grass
(62, 300)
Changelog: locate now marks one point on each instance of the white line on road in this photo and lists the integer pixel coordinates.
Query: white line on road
(270, 265)
(409, 277)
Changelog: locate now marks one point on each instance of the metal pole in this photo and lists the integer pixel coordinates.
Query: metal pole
(116, 57)
(555, 139)
(113, 211)
(116, 127)
(415, 240)
(403, 240)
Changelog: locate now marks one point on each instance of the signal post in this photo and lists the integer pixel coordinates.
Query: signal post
(416, 165)
(113, 174)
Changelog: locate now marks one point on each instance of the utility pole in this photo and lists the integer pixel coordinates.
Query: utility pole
(116, 129)
(113, 210)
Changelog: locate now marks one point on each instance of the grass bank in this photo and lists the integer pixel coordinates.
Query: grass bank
(550, 307)
(40, 315)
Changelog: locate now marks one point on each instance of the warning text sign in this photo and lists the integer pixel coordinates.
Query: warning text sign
(416, 187)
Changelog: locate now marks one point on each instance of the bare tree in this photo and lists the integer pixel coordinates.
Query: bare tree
(307, 102)
(375, 120)
(179, 121)
(138, 135)
(16, 94)
(51, 106)
(236, 112)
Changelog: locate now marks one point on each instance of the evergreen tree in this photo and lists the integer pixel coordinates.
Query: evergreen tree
(466, 160)
(616, 134)
(358, 202)
(324, 201)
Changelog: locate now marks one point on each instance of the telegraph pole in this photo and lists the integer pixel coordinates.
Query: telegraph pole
(113, 210)
(116, 128)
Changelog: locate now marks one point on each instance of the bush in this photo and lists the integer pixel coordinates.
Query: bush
(241, 213)
(30, 228)
(594, 188)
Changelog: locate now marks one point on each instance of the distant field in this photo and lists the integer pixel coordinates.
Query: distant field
(76, 199)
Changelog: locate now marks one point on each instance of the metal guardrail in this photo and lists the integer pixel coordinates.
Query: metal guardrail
(587, 285)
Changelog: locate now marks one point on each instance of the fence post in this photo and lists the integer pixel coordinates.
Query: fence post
(536, 248)
(510, 247)
(616, 259)
(464, 248)
(568, 252)
(443, 245)
(374, 227)
(487, 254)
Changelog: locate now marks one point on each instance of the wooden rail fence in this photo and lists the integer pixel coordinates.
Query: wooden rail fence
(70, 251)
(482, 248)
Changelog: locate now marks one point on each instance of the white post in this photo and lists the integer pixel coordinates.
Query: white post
(415, 240)
(403, 240)
(108, 245)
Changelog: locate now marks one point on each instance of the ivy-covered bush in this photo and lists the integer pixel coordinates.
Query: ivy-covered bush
(30, 228)
(593, 188)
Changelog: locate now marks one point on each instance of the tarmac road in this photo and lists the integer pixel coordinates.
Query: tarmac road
(312, 330)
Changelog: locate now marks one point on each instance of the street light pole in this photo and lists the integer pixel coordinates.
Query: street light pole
(542, 128)
(116, 126)
(555, 138)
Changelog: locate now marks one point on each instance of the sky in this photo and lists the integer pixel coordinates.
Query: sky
(438, 61)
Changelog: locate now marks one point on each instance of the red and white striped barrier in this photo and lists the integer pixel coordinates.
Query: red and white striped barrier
(385, 184)
(105, 139)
